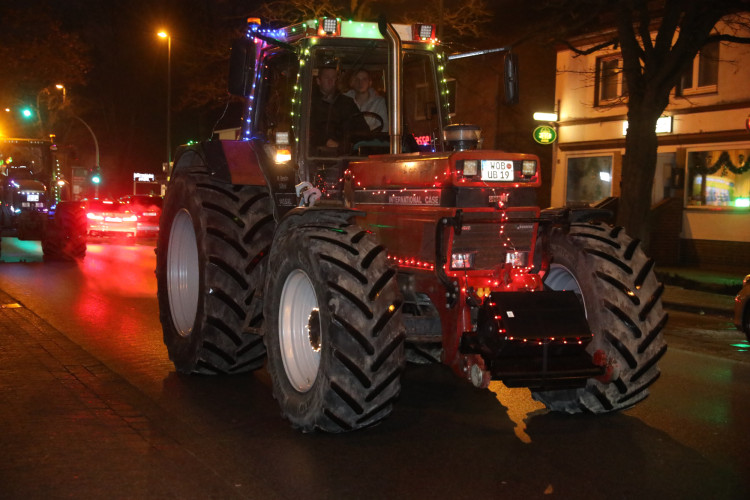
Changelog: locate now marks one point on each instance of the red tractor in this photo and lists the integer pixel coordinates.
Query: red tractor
(338, 263)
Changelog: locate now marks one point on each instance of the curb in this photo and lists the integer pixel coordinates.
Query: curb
(695, 309)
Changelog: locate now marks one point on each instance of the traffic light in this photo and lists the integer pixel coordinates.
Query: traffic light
(95, 176)
(27, 113)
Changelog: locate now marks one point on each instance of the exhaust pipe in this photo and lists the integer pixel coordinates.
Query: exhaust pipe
(395, 84)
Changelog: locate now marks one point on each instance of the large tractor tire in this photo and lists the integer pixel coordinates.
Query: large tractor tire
(64, 236)
(210, 266)
(30, 226)
(333, 332)
(622, 300)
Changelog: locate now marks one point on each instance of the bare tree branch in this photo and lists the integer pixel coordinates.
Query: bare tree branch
(614, 42)
(728, 38)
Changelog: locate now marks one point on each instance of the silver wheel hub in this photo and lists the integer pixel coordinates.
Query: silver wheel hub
(300, 332)
(183, 278)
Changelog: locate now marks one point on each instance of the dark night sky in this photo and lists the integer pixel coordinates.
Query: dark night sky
(124, 99)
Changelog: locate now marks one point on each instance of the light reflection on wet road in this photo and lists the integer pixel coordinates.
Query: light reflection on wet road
(107, 303)
(445, 439)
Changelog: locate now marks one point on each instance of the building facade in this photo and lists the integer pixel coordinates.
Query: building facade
(701, 191)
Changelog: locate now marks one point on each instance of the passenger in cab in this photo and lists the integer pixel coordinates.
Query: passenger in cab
(367, 99)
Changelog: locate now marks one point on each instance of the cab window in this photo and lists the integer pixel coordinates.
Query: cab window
(274, 108)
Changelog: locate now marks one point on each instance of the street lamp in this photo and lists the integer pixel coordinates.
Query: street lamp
(164, 34)
(60, 86)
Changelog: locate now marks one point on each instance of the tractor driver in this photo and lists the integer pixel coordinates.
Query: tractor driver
(334, 116)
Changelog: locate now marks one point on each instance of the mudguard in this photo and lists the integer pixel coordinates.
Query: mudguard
(242, 163)
(562, 216)
(313, 215)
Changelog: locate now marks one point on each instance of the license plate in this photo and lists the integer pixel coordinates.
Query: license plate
(497, 170)
(32, 197)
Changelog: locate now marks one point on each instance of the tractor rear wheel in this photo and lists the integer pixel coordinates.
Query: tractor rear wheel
(210, 267)
(333, 333)
(622, 299)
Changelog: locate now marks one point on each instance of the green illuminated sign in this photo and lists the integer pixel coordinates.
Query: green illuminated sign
(545, 134)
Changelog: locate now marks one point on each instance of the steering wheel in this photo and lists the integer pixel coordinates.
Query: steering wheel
(379, 126)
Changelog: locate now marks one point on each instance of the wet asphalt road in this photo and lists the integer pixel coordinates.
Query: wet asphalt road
(222, 437)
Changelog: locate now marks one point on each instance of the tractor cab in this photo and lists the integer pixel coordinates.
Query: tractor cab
(285, 111)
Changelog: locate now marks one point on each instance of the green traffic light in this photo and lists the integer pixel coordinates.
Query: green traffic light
(26, 112)
(95, 179)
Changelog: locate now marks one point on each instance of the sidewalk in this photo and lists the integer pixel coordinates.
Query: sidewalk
(72, 428)
(701, 291)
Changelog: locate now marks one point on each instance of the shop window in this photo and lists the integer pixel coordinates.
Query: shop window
(589, 179)
(610, 81)
(719, 178)
(703, 74)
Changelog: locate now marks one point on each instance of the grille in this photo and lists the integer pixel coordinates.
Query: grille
(490, 244)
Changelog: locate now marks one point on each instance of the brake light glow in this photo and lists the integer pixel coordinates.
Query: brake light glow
(111, 218)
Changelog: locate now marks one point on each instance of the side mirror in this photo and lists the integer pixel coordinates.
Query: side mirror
(511, 78)
(241, 67)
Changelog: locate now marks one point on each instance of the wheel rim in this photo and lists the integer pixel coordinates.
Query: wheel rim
(300, 333)
(183, 279)
(560, 278)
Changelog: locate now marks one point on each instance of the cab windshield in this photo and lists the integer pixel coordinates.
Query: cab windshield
(348, 113)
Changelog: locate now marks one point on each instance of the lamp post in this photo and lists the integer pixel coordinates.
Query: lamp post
(61, 87)
(164, 34)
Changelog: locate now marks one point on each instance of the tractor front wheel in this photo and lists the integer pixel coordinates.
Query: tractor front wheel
(333, 332)
(622, 300)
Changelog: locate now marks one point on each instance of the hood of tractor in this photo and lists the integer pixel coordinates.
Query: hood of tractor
(484, 169)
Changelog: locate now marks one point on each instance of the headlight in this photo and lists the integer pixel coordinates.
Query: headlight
(528, 168)
(283, 156)
(470, 167)
(517, 259)
(462, 260)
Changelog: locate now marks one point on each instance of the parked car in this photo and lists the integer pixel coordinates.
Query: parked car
(148, 209)
(742, 308)
(110, 218)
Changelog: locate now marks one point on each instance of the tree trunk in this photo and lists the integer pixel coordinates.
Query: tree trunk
(638, 168)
